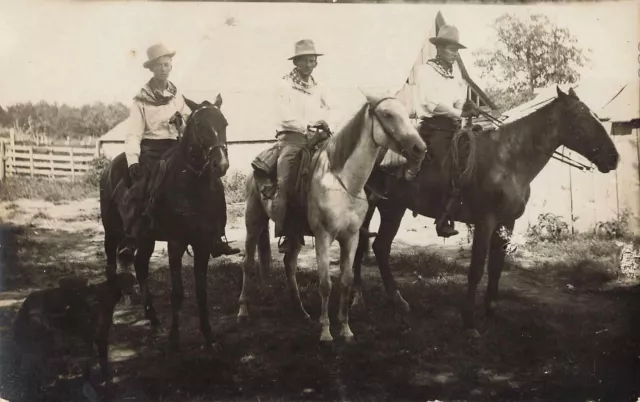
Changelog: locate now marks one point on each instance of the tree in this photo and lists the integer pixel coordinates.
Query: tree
(529, 53)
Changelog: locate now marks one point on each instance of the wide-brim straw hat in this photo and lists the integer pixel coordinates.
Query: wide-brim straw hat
(447, 35)
(305, 47)
(155, 52)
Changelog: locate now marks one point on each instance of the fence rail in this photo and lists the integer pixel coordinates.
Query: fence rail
(53, 161)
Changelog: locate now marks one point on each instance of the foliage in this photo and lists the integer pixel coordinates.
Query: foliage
(617, 228)
(234, 186)
(62, 121)
(96, 167)
(529, 53)
(507, 99)
(550, 227)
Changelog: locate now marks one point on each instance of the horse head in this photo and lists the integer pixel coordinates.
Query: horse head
(582, 132)
(396, 130)
(205, 137)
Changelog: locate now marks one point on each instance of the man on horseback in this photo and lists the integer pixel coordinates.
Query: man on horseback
(155, 122)
(301, 105)
(441, 107)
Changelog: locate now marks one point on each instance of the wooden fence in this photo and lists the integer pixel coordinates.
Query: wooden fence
(41, 161)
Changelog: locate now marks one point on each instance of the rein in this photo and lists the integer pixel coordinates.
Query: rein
(207, 154)
(560, 156)
(372, 113)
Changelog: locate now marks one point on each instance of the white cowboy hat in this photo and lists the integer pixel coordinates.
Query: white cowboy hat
(447, 35)
(155, 52)
(305, 47)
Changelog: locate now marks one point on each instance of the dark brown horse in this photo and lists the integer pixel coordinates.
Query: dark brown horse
(185, 211)
(507, 161)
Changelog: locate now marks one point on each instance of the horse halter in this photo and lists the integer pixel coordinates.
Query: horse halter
(207, 153)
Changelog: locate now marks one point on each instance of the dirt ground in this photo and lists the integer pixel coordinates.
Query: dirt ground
(568, 327)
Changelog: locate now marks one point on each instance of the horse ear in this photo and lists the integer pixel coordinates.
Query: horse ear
(560, 93)
(572, 93)
(218, 102)
(192, 105)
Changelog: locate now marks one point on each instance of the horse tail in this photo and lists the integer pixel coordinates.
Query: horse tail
(464, 168)
(257, 226)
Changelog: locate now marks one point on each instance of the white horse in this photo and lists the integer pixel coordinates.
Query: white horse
(336, 202)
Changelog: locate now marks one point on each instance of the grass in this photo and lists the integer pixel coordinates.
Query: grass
(14, 188)
(545, 344)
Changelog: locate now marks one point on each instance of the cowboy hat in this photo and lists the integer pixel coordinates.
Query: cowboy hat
(155, 52)
(305, 47)
(447, 35)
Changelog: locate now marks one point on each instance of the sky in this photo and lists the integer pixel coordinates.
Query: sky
(75, 53)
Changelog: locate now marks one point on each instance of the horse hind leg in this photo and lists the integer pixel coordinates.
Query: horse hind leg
(347, 253)
(141, 263)
(390, 220)
(264, 252)
(256, 223)
(497, 256)
(291, 266)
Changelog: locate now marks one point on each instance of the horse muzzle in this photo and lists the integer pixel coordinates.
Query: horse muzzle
(608, 161)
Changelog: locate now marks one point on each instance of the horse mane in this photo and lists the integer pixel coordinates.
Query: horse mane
(342, 144)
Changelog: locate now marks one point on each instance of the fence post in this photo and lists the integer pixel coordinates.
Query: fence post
(31, 160)
(51, 162)
(12, 147)
(73, 172)
(97, 154)
(1, 160)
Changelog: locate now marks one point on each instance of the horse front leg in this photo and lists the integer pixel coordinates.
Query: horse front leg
(497, 255)
(390, 219)
(291, 265)
(176, 251)
(361, 250)
(483, 232)
(347, 253)
(141, 263)
(323, 242)
(201, 253)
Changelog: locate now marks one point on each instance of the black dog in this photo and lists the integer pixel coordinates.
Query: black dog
(76, 309)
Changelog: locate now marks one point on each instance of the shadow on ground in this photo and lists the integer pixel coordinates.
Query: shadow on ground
(547, 343)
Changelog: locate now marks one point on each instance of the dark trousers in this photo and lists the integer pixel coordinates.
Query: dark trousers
(290, 146)
(438, 133)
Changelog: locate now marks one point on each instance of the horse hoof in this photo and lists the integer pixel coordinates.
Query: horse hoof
(326, 337)
(358, 303)
(401, 303)
(212, 347)
(243, 319)
(349, 339)
(472, 333)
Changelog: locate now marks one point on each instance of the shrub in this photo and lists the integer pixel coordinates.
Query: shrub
(617, 228)
(550, 227)
(97, 166)
(234, 186)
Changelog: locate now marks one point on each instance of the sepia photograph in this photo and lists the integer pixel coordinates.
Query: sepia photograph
(334, 200)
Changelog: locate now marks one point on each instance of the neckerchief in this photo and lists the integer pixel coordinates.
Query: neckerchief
(156, 97)
(298, 83)
(439, 66)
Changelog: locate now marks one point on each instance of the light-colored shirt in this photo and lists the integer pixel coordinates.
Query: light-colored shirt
(437, 93)
(148, 122)
(297, 109)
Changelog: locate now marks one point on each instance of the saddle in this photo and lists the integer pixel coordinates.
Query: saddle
(265, 176)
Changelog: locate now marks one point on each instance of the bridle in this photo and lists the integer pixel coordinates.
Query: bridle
(559, 156)
(374, 115)
(207, 153)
